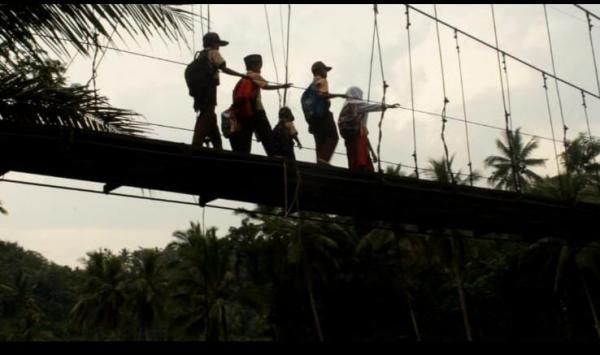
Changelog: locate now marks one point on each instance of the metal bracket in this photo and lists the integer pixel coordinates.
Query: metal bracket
(110, 186)
(204, 199)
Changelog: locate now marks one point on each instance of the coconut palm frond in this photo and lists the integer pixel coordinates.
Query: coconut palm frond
(28, 100)
(23, 24)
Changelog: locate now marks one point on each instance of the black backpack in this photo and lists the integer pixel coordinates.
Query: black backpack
(199, 75)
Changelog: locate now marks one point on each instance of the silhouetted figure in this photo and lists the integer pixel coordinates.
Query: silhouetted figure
(284, 135)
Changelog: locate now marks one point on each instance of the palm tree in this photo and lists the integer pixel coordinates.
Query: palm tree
(582, 262)
(146, 289)
(405, 254)
(580, 156)
(103, 294)
(204, 281)
(450, 252)
(512, 168)
(311, 249)
(28, 96)
(20, 302)
(439, 171)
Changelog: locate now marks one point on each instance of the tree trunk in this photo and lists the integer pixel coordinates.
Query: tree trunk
(414, 321)
(591, 304)
(224, 322)
(461, 292)
(463, 306)
(311, 297)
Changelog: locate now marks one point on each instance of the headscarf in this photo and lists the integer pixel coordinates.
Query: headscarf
(354, 97)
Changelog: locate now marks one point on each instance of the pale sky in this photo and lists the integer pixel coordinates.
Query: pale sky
(64, 225)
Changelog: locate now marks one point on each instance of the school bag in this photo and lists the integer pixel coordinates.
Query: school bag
(242, 108)
(313, 105)
(229, 123)
(199, 75)
(349, 121)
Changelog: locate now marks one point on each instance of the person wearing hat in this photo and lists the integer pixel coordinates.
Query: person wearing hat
(206, 118)
(323, 129)
(259, 123)
(352, 123)
(284, 135)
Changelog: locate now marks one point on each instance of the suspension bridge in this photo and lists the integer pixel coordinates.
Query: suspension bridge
(117, 160)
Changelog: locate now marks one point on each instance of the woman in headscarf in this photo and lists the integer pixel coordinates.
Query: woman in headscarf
(352, 124)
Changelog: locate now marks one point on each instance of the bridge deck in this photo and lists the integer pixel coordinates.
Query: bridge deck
(119, 160)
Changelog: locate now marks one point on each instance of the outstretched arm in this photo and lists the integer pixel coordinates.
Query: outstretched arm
(330, 96)
(226, 70)
(375, 107)
(297, 141)
(275, 87)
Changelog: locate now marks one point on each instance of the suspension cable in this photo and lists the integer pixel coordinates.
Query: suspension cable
(510, 115)
(272, 52)
(256, 212)
(587, 121)
(508, 54)
(202, 20)
(562, 117)
(462, 91)
(476, 123)
(446, 101)
(509, 136)
(371, 62)
(412, 95)
(313, 149)
(585, 110)
(589, 20)
(193, 31)
(411, 108)
(208, 15)
(92, 78)
(587, 11)
(281, 31)
(551, 124)
(385, 86)
(287, 53)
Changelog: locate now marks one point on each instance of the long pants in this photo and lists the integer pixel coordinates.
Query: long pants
(206, 125)
(241, 141)
(326, 137)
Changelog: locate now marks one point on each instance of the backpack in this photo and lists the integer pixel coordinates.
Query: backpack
(229, 123)
(199, 75)
(244, 98)
(349, 121)
(313, 105)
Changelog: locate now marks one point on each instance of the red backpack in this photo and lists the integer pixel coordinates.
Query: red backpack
(244, 98)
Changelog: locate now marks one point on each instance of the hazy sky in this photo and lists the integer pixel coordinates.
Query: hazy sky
(64, 225)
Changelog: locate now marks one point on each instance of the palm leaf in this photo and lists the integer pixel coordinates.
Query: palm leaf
(78, 23)
(34, 101)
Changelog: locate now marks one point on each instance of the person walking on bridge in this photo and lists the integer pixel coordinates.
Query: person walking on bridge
(241, 141)
(315, 104)
(202, 78)
(352, 123)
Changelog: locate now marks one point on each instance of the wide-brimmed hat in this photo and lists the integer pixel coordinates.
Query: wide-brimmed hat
(319, 65)
(211, 38)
